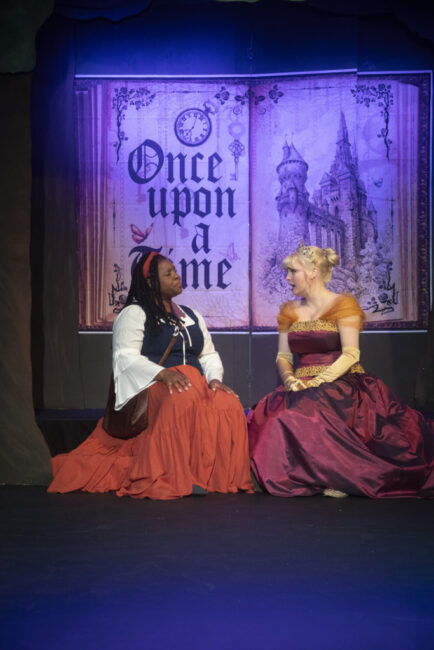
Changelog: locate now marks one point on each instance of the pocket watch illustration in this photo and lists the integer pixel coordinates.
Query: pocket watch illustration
(193, 126)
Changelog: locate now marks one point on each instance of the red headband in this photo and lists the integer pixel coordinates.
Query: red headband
(147, 264)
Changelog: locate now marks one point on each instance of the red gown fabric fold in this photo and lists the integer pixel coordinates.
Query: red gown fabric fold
(197, 437)
(351, 435)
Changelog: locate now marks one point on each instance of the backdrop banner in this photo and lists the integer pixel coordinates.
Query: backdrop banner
(226, 176)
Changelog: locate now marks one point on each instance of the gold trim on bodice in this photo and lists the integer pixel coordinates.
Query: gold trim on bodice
(313, 371)
(313, 326)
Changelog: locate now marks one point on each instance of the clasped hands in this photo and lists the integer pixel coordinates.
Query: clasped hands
(291, 383)
(176, 380)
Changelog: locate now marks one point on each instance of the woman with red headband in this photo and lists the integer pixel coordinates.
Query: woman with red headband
(195, 439)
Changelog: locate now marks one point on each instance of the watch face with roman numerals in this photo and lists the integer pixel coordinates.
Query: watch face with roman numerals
(192, 127)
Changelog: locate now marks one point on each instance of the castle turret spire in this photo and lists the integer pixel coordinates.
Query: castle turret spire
(343, 161)
(291, 155)
(342, 131)
(293, 199)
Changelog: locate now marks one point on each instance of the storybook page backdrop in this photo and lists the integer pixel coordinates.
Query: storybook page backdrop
(226, 177)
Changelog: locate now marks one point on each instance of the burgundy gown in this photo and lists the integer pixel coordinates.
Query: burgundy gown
(352, 435)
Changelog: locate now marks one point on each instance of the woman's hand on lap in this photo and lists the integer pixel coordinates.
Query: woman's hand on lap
(174, 379)
(294, 384)
(216, 384)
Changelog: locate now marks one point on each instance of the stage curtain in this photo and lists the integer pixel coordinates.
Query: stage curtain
(412, 14)
(24, 456)
(55, 344)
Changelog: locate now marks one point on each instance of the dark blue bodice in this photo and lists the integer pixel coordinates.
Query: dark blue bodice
(187, 348)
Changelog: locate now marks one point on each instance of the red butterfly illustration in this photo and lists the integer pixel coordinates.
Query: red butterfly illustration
(138, 235)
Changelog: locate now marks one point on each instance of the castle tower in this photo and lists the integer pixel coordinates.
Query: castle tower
(343, 158)
(344, 171)
(293, 199)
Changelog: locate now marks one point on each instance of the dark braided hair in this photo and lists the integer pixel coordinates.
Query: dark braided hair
(148, 295)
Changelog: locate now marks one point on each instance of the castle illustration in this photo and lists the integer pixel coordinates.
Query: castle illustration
(339, 216)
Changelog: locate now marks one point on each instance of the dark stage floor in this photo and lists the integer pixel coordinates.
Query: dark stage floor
(218, 572)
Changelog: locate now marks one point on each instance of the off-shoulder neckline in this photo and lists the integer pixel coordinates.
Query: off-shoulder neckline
(332, 304)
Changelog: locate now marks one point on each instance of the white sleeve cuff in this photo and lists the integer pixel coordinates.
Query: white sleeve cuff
(209, 358)
(132, 372)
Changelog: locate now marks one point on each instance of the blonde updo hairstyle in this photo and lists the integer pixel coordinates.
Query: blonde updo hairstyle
(324, 259)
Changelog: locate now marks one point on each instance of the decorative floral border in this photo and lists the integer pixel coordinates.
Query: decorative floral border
(382, 96)
(423, 82)
(120, 102)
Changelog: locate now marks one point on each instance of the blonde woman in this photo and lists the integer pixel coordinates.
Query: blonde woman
(330, 427)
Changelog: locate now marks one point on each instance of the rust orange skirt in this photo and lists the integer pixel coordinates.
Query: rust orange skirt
(197, 437)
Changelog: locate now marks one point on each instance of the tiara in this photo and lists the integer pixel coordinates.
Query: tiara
(305, 251)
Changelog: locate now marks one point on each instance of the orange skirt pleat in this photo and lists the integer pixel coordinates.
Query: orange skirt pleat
(197, 437)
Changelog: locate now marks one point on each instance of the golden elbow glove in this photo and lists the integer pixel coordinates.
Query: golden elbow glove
(348, 358)
(285, 356)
